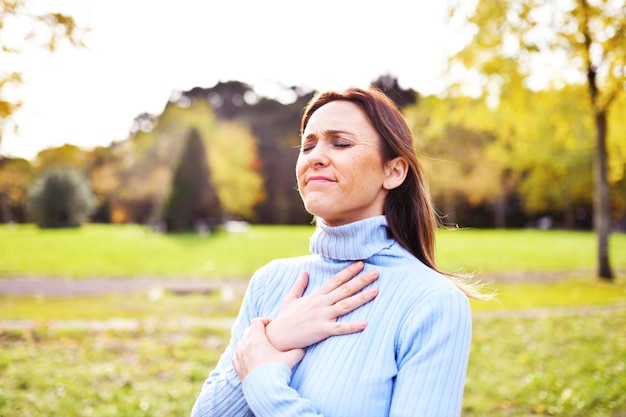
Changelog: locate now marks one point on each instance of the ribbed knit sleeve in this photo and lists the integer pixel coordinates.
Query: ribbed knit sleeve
(432, 355)
(268, 393)
(221, 393)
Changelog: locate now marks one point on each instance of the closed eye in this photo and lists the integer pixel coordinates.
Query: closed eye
(342, 143)
(306, 147)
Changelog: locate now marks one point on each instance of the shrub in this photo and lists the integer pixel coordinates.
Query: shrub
(60, 197)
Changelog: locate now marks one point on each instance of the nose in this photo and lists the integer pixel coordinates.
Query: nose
(317, 157)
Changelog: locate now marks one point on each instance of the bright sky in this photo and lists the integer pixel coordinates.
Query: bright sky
(139, 51)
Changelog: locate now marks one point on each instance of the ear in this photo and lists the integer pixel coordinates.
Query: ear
(396, 171)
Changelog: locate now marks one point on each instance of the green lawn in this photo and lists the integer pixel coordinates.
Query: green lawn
(523, 362)
(521, 250)
(135, 251)
(548, 347)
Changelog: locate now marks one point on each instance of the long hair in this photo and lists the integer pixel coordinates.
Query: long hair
(410, 213)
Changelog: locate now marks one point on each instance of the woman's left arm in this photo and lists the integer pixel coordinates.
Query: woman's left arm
(265, 373)
(432, 357)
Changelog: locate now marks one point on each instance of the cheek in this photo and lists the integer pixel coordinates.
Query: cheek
(300, 168)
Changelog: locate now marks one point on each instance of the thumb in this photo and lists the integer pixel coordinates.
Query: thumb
(258, 325)
(298, 287)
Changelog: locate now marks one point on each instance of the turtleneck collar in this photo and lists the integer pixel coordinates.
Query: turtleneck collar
(352, 241)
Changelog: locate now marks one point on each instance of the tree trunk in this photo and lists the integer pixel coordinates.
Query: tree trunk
(499, 213)
(601, 199)
(5, 215)
(602, 202)
(450, 210)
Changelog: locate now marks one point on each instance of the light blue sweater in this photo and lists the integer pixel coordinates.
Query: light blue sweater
(411, 360)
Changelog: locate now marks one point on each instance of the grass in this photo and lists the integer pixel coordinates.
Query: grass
(545, 347)
(548, 365)
(134, 251)
(525, 250)
(117, 373)
(523, 363)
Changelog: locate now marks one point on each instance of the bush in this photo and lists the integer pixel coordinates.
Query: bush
(60, 197)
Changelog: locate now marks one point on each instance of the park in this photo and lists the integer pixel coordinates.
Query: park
(123, 265)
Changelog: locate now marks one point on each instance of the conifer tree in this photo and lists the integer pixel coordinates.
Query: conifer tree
(193, 202)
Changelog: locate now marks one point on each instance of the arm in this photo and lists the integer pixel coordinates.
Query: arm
(304, 321)
(221, 393)
(265, 370)
(266, 373)
(255, 350)
(432, 357)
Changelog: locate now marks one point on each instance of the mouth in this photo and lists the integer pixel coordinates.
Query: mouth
(316, 179)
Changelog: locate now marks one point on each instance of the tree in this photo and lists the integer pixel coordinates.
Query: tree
(275, 126)
(43, 29)
(152, 153)
(457, 137)
(66, 155)
(103, 169)
(15, 177)
(60, 197)
(193, 201)
(588, 35)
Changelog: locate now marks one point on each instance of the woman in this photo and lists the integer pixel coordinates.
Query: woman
(392, 342)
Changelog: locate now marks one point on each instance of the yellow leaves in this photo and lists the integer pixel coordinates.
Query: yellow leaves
(66, 155)
(15, 177)
(231, 154)
(233, 160)
(47, 30)
(616, 141)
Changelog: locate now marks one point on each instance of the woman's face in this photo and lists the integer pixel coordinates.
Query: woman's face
(340, 170)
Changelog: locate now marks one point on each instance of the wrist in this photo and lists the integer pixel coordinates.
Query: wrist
(275, 338)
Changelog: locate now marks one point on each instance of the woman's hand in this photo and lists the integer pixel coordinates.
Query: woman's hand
(303, 321)
(255, 350)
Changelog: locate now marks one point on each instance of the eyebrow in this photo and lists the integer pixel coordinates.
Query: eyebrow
(329, 132)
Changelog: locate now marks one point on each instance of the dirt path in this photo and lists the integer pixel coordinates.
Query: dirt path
(55, 287)
(58, 287)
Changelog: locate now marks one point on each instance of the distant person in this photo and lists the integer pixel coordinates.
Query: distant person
(392, 341)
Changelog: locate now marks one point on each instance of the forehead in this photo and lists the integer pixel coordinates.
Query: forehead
(339, 115)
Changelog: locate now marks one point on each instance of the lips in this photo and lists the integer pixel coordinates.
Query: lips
(318, 179)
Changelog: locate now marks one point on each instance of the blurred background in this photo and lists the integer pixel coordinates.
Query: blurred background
(499, 100)
(147, 153)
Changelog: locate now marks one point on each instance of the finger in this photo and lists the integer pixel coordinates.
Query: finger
(340, 328)
(256, 325)
(235, 363)
(238, 367)
(298, 287)
(353, 286)
(235, 360)
(341, 277)
(345, 306)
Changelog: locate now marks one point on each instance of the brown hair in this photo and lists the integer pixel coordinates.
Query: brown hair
(410, 214)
